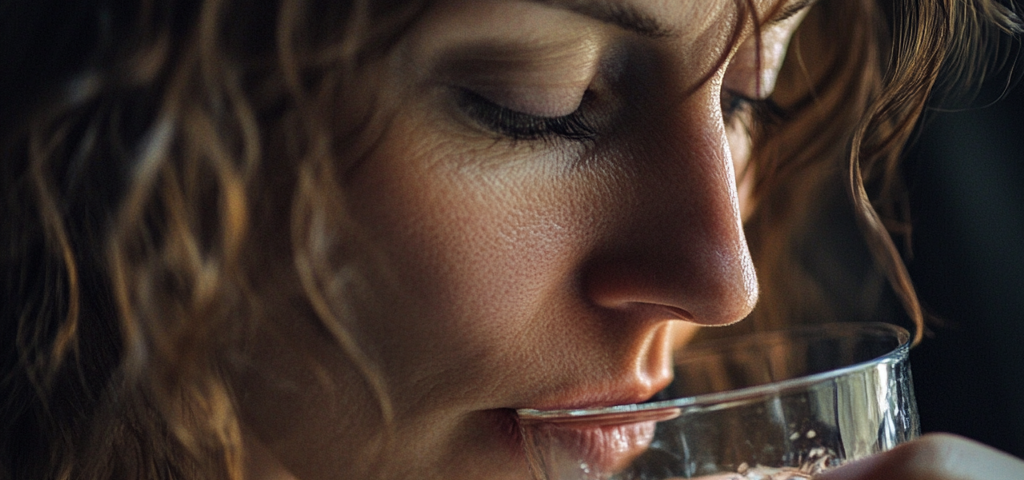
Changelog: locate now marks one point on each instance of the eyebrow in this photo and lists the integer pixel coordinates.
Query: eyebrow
(624, 16)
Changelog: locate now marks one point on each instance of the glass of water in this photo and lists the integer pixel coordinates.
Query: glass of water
(769, 406)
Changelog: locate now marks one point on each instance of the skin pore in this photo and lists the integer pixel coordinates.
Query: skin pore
(552, 209)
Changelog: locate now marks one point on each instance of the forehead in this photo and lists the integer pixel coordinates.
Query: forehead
(691, 36)
(692, 22)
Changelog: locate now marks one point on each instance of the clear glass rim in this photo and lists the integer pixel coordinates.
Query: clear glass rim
(709, 400)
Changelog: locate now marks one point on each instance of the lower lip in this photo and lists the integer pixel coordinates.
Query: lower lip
(607, 449)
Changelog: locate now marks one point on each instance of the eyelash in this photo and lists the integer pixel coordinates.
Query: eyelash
(577, 126)
(759, 111)
(516, 125)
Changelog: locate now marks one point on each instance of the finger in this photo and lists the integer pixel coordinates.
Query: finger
(933, 457)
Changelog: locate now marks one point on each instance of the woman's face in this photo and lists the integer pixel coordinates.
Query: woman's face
(553, 207)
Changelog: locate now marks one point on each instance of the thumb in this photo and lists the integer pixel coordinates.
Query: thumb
(933, 457)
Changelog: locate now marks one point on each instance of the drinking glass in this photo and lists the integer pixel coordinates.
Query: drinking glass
(777, 405)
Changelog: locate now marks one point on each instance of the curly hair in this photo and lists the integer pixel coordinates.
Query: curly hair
(142, 184)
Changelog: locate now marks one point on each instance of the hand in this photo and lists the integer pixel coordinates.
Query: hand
(933, 457)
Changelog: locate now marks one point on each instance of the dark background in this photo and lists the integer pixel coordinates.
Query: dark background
(966, 176)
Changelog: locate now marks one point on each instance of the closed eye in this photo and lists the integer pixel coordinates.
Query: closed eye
(516, 125)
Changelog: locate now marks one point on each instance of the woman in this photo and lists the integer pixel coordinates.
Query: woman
(306, 239)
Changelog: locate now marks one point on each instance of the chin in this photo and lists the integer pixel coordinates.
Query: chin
(483, 445)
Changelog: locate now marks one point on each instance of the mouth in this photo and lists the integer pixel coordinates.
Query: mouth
(592, 431)
(600, 445)
(599, 449)
(599, 398)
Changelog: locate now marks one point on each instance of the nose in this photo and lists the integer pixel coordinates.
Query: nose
(678, 250)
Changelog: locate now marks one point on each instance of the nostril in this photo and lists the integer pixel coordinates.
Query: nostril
(708, 293)
(677, 313)
(658, 312)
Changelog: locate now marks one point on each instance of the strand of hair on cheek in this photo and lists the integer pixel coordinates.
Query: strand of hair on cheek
(302, 221)
(291, 65)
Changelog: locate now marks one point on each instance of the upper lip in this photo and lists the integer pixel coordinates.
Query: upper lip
(624, 375)
(601, 397)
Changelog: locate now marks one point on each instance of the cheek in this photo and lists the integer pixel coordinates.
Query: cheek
(471, 258)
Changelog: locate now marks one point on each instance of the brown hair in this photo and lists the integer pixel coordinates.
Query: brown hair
(842, 116)
(139, 190)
